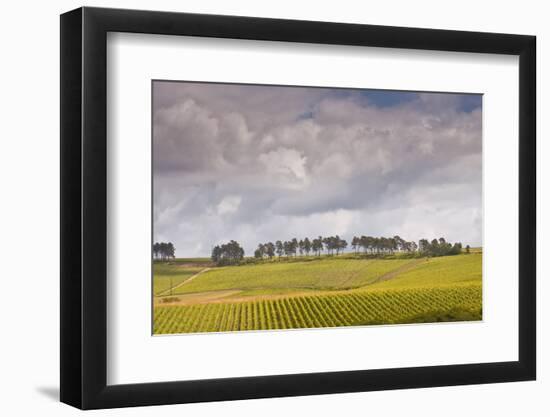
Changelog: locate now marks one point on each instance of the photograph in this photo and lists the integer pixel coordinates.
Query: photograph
(278, 207)
(338, 208)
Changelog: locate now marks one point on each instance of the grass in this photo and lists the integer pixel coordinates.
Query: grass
(445, 270)
(166, 275)
(186, 261)
(327, 274)
(320, 292)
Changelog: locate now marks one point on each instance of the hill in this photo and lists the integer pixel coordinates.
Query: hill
(315, 292)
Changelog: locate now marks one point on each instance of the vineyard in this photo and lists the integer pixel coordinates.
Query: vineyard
(323, 274)
(330, 293)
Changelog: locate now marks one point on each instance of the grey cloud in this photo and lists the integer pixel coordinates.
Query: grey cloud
(240, 162)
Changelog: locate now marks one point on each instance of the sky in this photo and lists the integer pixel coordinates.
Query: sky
(260, 163)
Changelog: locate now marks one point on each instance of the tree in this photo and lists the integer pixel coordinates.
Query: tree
(365, 243)
(438, 247)
(287, 246)
(279, 248)
(270, 249)
(355, 243)
(317, 245)
(327, 241)
(400, 243)
(434, 247)
(423, 245)
(230, 253)
(377, 244)
(334, 245)
(260, 251)
(326, 244)
(216, 254)
(170, 250)
(393, 244)
(301, 247)
(307, 245)
(385, 244)
(455, 249)
(294, 246)
(164, 251)
(341, 245)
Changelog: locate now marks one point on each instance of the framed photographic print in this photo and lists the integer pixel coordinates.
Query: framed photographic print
(258, 207)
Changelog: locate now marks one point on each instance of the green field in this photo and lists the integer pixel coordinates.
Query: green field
(167, 276)
(315, 292)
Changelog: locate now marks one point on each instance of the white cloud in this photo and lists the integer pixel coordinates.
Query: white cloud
(287, 166)
(256, 163)
(228, 205)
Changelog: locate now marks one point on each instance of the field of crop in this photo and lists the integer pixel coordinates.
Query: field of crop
(325, 292)
(324, 273)
(170, 275)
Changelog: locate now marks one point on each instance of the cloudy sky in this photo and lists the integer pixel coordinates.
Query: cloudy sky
(261, 163)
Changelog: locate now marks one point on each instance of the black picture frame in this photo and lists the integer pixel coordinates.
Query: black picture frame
(84, 207)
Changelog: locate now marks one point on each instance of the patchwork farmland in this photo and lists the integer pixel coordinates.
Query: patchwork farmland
(193, 295)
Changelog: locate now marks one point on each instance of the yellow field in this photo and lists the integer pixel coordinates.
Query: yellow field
(317, 292)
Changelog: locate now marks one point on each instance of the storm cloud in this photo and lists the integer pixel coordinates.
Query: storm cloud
(262, 163)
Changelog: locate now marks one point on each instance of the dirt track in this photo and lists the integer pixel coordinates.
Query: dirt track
(191, 278)
(392, 274)
(232, 295)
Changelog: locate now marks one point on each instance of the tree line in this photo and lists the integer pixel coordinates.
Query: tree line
(227, 254)
(439, 247)
(232, 253)
(390, 245)
(293, 247)
(163, 251)
(334, 245)
(382, 245)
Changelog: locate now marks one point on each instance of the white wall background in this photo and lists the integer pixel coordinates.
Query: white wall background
(29, 237)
